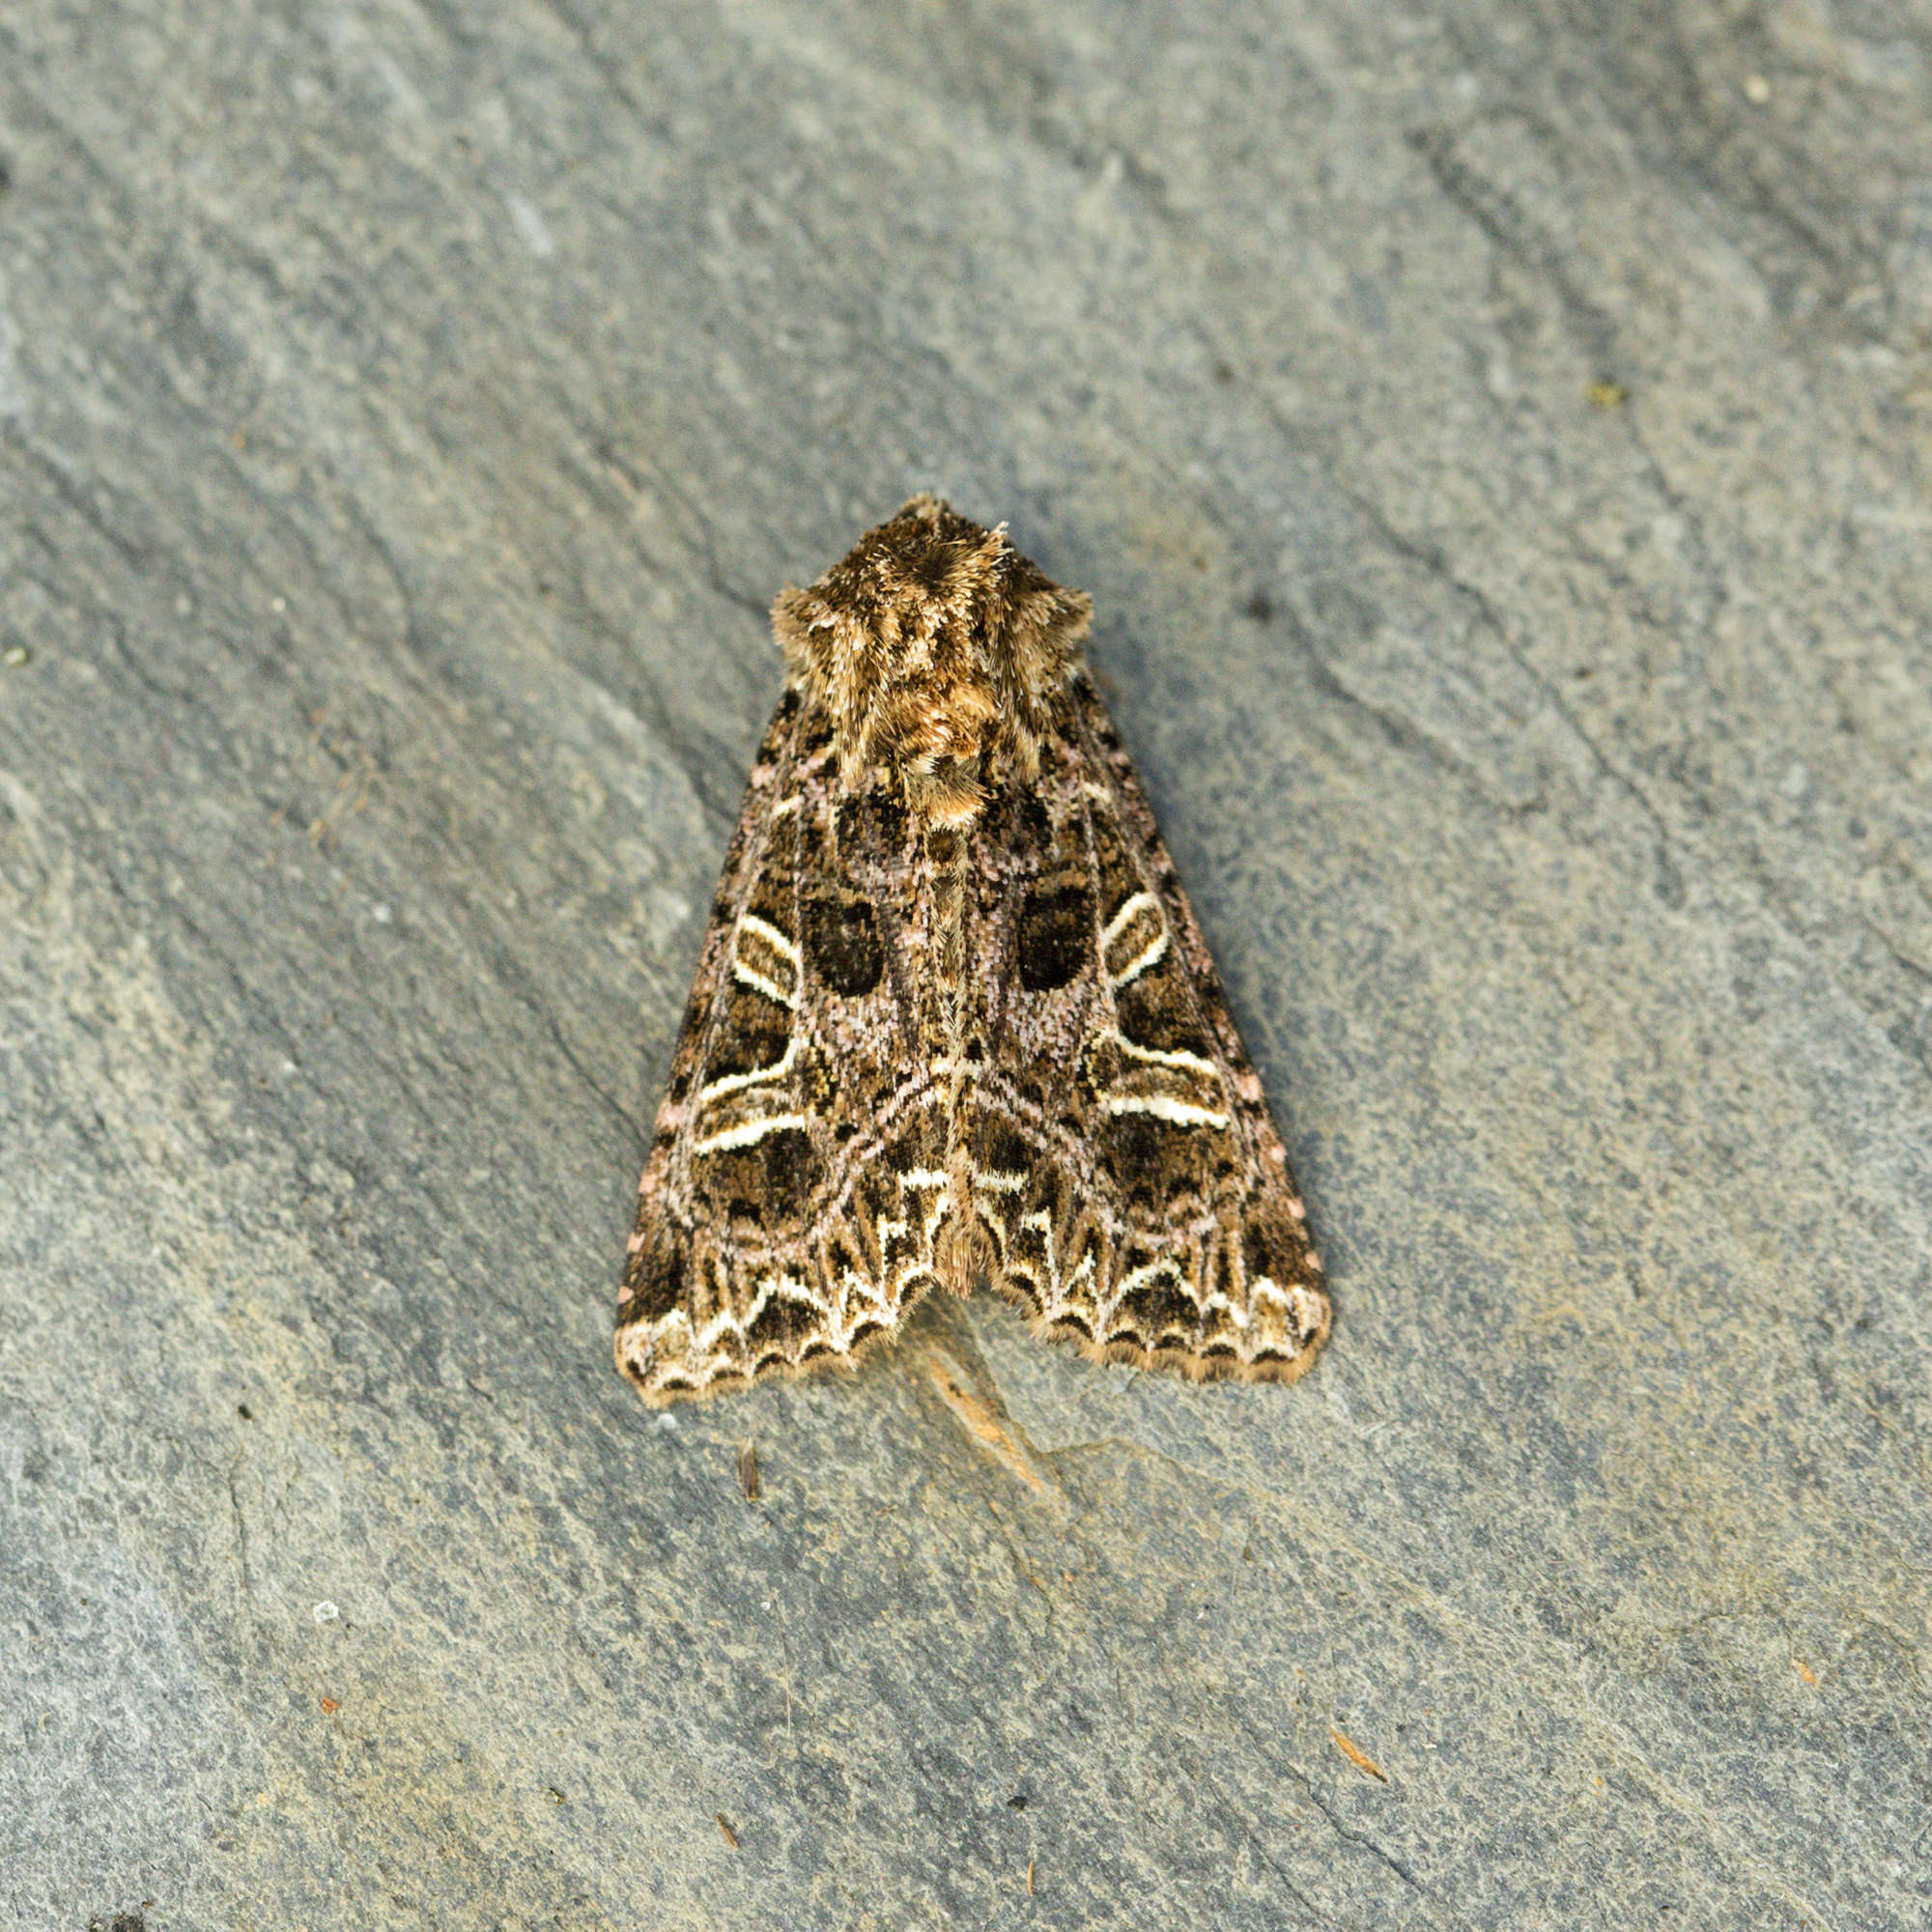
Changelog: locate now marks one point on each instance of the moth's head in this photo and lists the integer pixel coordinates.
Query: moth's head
(940, 653)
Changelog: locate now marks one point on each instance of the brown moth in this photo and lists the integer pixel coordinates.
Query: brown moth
(954, 1019)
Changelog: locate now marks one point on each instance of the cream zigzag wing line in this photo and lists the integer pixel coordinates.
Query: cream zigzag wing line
(954, 1019)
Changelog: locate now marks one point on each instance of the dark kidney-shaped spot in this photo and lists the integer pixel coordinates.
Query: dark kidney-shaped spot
(843, 939)
(1056, 936)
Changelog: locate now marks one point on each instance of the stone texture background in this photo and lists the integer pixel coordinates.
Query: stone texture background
(409, 408)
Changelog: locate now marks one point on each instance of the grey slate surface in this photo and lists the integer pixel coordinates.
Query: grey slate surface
(408, 413)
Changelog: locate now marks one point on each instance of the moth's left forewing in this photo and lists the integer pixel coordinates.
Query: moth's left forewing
(1133, 1182)
(774, 1235)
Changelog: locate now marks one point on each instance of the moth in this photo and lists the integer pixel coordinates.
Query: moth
(954, 1019)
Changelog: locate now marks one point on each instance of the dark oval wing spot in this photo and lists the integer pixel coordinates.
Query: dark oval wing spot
(841, 938)
(1268, 1250)
(655, 1281)
(817, 734)
(764, 1188)
(1157, 1308)
(871, 822)
(1158, 1011)
(792, 1169)
(1056, 936)
(1031, 826)
(1135, 1149)
(754, 1035)
(780, 1326)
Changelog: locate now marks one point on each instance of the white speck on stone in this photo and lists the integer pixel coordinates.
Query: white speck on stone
(1892, 516)
(1796, 782)
(669, 1424)
(380, 913)
(531, 226)
(402, 90)
(806, 122)
(326, 1612)
(278, 604)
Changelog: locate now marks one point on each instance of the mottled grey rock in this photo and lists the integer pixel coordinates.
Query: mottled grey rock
(1495, 438)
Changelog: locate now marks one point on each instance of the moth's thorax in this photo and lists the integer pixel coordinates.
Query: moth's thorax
(939, 653)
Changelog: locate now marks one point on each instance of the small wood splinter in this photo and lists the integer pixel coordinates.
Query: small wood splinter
(1356, 1755)
(954, 1019)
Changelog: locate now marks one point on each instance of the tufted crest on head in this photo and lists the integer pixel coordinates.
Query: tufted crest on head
(939, 651)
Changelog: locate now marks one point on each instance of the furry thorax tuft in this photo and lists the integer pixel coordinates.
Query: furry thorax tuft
(939, 652)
